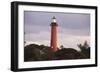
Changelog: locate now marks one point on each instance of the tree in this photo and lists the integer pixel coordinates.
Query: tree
(34, 52)
(85, 49)
(86, 45)
(61, 46)
(68, 53)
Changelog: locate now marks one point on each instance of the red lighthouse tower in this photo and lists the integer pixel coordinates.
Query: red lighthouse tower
(53, 43)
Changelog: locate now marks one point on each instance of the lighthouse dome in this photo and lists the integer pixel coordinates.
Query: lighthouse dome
(54, 19)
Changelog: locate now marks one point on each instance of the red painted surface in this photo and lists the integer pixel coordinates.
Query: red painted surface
(54, 36)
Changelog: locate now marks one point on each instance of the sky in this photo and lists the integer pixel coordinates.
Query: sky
(73, 28)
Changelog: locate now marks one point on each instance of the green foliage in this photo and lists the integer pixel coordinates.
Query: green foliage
(68, 53)
(61, 46)
(85, 49)
(34, 52)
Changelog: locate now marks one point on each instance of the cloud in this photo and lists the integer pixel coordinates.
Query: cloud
(73, 28)
(70, 41)
(67, 40)
(42, 20)
(74, 32)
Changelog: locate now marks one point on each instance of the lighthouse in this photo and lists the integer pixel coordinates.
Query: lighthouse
(53, 43)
